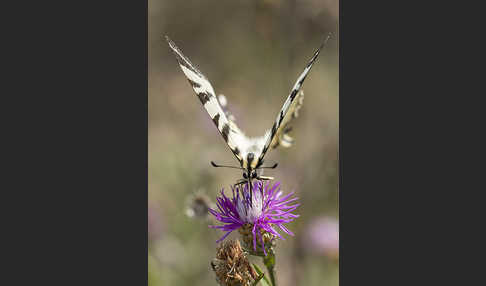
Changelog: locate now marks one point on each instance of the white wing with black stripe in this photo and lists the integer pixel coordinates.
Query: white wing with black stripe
(238, 143)
(277, 134)
(282, 137)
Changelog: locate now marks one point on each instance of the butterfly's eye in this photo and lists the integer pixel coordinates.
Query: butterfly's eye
(245, 176)
(253, 175)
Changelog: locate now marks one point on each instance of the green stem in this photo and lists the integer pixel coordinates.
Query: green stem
(269, 262)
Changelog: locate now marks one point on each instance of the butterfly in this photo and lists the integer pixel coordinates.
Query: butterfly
(249, 152)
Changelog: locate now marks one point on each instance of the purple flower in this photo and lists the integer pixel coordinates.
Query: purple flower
(268, 208)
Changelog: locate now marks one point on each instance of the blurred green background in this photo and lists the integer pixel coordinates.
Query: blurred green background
(252, 52)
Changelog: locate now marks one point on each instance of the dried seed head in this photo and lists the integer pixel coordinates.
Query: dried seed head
(231, 265)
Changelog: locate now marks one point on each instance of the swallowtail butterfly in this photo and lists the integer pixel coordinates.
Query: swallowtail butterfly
(248, 151)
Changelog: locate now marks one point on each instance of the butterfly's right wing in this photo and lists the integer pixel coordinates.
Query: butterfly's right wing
(205, 92)
(290, 106)
(282, 137)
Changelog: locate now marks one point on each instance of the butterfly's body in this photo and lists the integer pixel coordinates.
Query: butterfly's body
(248, 151)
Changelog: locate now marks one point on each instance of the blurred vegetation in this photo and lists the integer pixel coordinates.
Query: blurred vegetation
(252, 52)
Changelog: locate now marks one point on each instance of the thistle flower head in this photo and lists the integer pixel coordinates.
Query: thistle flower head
(267, 208)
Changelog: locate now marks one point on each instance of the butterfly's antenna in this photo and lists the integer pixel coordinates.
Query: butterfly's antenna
(269, 167)
(225, 166)
(325, 41)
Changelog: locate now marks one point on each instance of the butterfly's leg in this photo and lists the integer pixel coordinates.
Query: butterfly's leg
(251, 190)
(241, 181)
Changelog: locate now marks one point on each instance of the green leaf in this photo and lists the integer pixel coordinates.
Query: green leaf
(265, 281)
(257, 279)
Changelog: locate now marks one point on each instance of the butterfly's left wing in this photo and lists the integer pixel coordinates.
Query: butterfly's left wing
(232, 135)
(291, 105)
